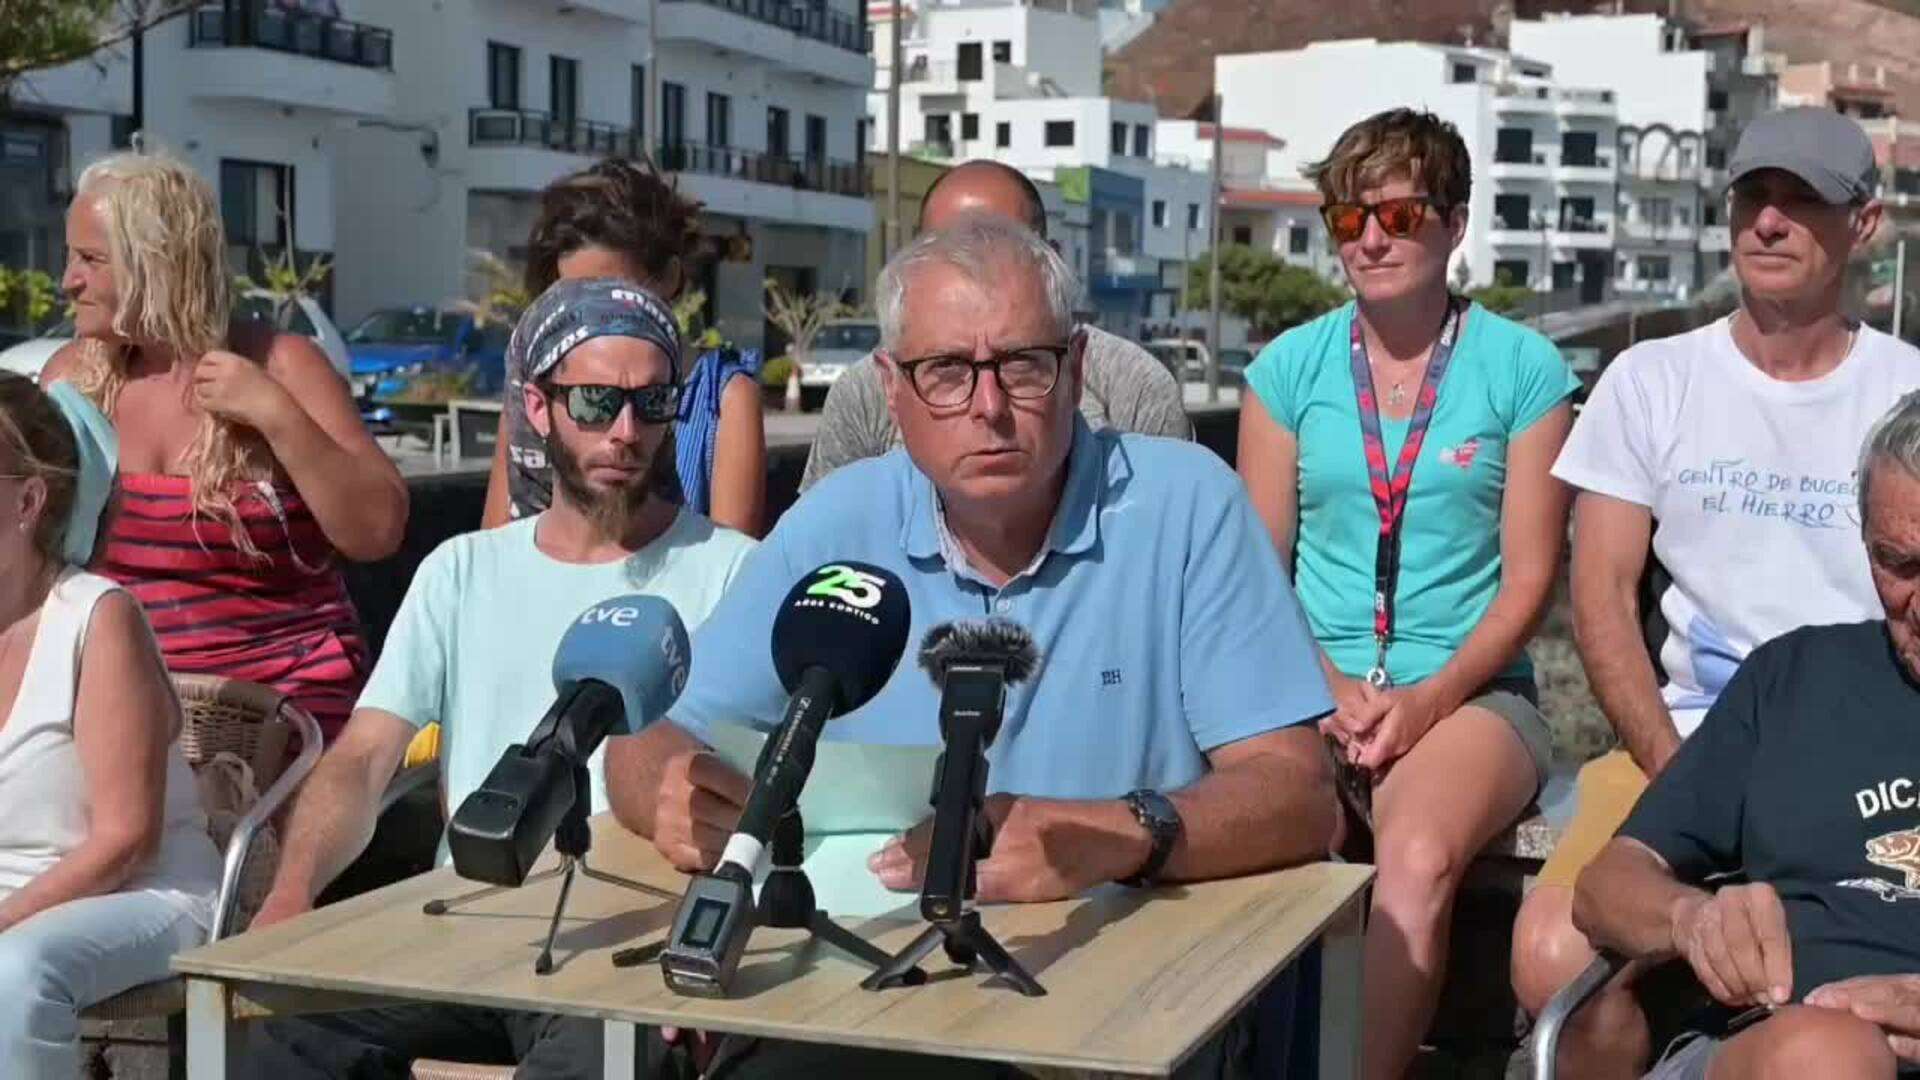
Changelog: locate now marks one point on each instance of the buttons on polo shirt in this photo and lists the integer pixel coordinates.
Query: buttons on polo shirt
(1003, 605)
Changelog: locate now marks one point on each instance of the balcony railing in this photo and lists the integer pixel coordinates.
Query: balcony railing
(1580, 225)
(257, 24)
(514, 127)
(1516, 158)
(1590, 161)
(805, 174)
(818, 23)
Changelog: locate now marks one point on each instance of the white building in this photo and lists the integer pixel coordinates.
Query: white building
(1021, 83)
(1684, 94)
(1275, 212)
(756, 109)
(1541, 211)
(396, 137)
(259, 99)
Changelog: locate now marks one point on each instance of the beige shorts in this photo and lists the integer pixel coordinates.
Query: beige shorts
(1604, 795)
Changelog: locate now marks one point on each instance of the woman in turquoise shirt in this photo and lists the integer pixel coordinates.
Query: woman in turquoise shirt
(1398, 450)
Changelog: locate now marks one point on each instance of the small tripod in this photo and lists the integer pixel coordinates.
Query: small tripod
(786, 900)
(957, 925)
(572, 839)
(965, 938)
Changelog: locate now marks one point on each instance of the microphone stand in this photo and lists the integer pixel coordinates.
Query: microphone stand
(959, 785)
(786, 900)
(572, 839)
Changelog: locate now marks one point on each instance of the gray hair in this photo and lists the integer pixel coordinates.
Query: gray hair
(1895, 437)
(978, 246)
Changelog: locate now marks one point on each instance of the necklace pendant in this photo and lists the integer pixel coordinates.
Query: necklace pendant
(1397, 394)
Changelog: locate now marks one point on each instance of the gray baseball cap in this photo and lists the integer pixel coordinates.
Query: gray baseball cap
(1819, 146)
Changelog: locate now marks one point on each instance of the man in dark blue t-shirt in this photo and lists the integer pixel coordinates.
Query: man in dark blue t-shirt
(1804, 779)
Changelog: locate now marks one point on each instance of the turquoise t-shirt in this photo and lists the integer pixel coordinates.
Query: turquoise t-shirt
(471, 648)
(1503, 378)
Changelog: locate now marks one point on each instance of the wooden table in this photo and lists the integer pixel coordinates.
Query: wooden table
(1137, 980)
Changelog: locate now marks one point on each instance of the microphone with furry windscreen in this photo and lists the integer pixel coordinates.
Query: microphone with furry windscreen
(973, 663)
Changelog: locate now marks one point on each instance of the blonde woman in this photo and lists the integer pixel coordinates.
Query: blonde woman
(244, 465)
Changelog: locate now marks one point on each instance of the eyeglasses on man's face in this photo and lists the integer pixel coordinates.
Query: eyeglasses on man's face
(948, 380)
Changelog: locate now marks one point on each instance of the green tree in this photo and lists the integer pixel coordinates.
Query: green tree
(40, 34)
(1502, 297)
(1264, 290)
(28, 298)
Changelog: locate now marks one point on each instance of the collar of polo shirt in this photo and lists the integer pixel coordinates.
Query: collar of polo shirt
(1076, 521)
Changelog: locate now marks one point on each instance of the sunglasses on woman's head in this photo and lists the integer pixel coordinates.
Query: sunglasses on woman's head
(1398, 217)
(594, 405)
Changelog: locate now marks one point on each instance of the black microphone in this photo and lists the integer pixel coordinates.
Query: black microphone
(618, 668)
(973, 663)
(837, 638)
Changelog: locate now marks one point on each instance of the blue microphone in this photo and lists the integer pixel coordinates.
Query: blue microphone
(619, 668)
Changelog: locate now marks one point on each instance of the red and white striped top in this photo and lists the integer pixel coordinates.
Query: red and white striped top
(284, 620)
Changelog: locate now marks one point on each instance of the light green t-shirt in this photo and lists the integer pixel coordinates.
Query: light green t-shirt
(1503, 378)
(472, 646)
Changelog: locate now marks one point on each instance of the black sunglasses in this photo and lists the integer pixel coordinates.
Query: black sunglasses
(595, 405)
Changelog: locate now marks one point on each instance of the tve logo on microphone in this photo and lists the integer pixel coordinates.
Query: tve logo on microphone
(676, 658)
(620, 615)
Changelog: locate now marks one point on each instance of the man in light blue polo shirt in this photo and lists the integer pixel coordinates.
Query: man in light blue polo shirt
(1168, 733)
(1178, 681)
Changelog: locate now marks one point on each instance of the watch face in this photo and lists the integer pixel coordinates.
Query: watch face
(1156, 812)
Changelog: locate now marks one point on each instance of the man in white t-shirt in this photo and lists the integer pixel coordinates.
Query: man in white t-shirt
(471, 649)
(1730, 451)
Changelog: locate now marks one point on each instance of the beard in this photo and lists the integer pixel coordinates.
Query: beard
(612, 510)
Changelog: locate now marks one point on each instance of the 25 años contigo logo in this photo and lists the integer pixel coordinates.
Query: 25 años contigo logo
(848, 586)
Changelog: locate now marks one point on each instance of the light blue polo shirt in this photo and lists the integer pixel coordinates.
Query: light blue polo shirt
(1166, 625)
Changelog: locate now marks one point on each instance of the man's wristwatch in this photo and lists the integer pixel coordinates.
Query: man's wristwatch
(1156, 814)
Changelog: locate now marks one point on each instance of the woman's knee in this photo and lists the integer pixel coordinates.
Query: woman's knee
(1802, 1041)
(1548, 950)
(1417, 862)
(40, 996)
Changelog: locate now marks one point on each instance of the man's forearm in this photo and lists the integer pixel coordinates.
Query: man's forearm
(331, 824)
(1268, 811)
(1621, 673)
(1625, 901)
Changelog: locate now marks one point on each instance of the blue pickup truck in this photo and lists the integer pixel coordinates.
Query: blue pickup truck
(425, 356)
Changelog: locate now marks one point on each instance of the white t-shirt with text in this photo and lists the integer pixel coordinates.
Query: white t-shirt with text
(1751, 484)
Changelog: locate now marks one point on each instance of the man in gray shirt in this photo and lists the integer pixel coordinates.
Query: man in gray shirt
(1126, 388)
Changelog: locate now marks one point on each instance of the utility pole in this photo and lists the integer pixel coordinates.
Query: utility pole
(895, 48)
(1213, 255)
(650, 148)
(1899, 280)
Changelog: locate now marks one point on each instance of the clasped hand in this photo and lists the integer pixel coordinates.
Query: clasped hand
(1376, 726)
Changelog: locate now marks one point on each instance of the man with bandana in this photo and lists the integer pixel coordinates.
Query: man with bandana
(472, 646)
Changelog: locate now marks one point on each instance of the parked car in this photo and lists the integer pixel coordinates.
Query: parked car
(426, 356)
(840, 344)
(305, 317)
(1188, 360)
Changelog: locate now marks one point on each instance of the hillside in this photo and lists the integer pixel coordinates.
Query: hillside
(1171, 64)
